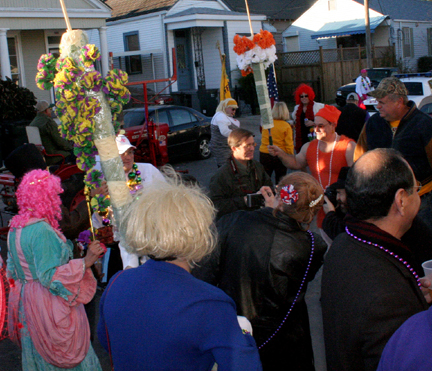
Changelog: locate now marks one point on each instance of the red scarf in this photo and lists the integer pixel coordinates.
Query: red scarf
(309, 114)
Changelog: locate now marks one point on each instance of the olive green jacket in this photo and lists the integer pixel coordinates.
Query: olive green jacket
(51, 139)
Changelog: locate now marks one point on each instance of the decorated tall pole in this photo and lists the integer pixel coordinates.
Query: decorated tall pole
(255, 54)
(263, 95)
(87, 106)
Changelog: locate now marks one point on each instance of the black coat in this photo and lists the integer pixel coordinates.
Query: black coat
(351, 121)
(366, 295)
(413, 138)
(260, 262)
(232, 182)
(333, 223)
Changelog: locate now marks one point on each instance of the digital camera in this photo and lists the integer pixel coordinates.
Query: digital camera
(255, 200)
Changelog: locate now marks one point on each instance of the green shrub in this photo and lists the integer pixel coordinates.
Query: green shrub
(424, 64)
(16, 103)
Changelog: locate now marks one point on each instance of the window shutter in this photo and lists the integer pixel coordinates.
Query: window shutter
(412, 42)
(429, 40)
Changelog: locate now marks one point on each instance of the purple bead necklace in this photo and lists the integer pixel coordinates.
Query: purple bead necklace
(397, 257)
(298, 292)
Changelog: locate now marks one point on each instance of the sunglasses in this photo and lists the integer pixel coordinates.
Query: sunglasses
(304, 96)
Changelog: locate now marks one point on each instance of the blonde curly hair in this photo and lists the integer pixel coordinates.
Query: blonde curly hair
(170, 220)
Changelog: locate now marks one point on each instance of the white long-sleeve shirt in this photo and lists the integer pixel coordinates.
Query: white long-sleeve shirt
(148, 174)
(363, 86)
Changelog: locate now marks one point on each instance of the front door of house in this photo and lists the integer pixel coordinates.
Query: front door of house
(184, 59)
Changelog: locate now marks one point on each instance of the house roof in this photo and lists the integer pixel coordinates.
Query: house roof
(273, 9)
(132, 8)
(415, 10)
(48, 15)
(191, 11)
(346, 28)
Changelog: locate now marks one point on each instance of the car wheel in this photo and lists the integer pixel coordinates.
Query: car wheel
(341, 102)
(204, 148)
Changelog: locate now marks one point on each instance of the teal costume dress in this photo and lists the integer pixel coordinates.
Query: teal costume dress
(48, 289)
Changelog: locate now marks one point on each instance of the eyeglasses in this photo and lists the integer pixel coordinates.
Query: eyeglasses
(304, 96)
(418, 186)
(249, 146)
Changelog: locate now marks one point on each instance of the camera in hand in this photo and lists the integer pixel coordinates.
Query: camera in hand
(331, 195)
(255, 200)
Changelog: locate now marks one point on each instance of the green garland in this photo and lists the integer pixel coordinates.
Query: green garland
(75, 108)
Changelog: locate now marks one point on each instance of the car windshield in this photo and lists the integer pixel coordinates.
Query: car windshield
(378, 75)
(414, 88)
(133, 118)
(159, 116)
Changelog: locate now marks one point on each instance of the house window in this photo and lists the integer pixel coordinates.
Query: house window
(408, 42)
(332, 5)
(133, 62)
(13, 60)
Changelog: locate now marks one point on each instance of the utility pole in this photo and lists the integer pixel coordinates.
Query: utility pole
(368, 35)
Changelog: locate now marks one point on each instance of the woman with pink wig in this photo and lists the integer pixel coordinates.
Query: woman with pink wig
(304, 114)
(48, 287)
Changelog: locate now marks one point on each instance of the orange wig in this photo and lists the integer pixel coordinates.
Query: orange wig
(304, 89)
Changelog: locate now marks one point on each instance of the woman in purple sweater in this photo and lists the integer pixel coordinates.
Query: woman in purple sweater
(158, 316)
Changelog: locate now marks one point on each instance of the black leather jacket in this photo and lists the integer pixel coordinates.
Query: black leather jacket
(260, 262)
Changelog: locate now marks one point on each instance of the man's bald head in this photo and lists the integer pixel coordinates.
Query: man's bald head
(373, 181)
(370, 163)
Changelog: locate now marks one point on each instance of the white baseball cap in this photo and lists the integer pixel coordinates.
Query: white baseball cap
(123, 144)
(352, 96)
(43, 105)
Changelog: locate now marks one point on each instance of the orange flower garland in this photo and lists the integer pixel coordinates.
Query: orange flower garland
(264, 39)
(260, 49)
(242, 44)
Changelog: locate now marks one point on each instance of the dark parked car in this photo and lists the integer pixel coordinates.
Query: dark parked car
(189, 130)
(374, 74)
(426, 105)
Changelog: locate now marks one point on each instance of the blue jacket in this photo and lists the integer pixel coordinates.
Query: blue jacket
(410, 346)
(159, 317)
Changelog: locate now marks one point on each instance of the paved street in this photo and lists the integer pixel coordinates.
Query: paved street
(10, 358)
(203, 170)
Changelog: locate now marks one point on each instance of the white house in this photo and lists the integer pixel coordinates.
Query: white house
(329, 23)
(280, 13)
(30, 28)
(142, 37)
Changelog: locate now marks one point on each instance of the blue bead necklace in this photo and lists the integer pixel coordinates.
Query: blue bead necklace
(298, 292)
(391, 253)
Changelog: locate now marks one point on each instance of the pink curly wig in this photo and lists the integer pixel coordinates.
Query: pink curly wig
(38, 197)
(304, 89)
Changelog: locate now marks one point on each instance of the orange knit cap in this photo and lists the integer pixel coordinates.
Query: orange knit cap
(330, 113)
